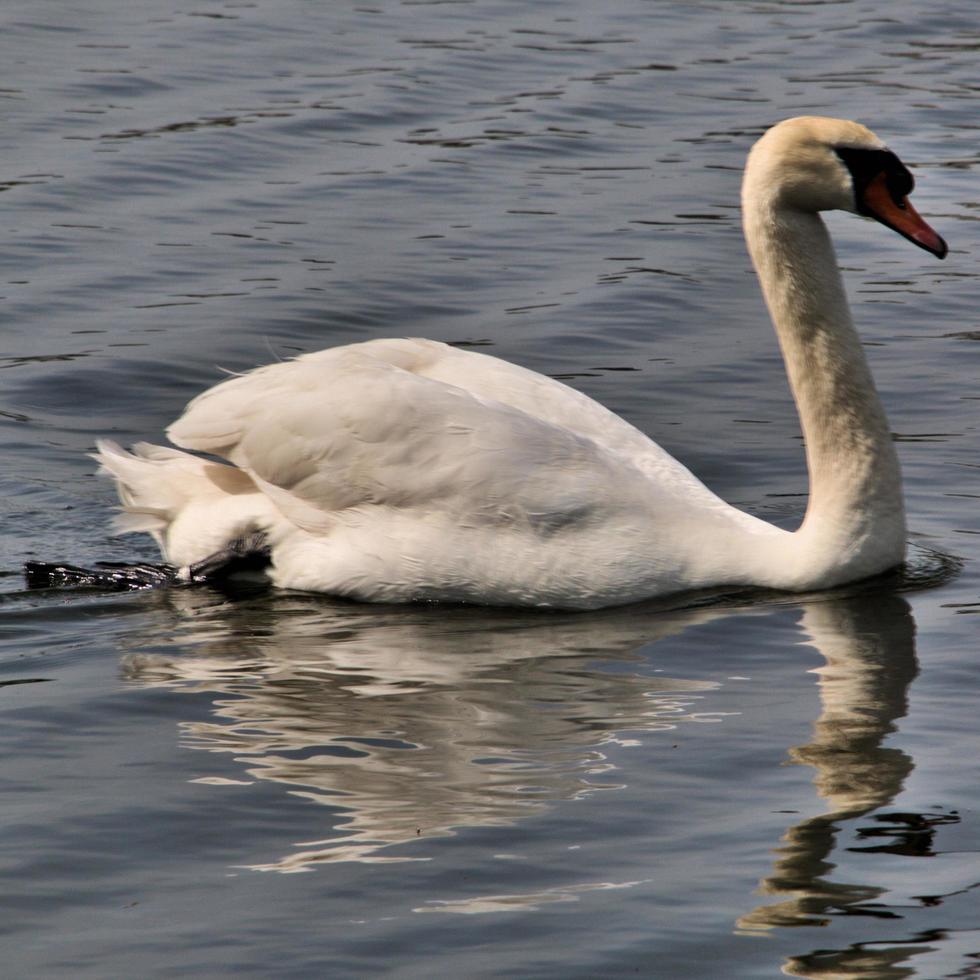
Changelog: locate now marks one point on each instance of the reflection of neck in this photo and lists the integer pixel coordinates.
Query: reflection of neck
(863, 691)
(869, 650)
(855, 523)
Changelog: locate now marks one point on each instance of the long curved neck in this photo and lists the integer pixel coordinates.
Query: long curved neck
(855, 521)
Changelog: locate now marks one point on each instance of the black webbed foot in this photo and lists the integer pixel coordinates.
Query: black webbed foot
(112, 576)
(248, 553)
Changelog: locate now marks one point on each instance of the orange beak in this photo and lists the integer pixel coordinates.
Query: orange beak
(903, 218)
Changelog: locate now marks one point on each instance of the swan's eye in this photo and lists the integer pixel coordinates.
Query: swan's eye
(900, 183)
(866, 165)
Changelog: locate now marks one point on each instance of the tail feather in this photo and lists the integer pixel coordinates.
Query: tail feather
(192, 506)
(155, 483)
(149, 502)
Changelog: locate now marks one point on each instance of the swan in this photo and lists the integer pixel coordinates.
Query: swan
(405, 469)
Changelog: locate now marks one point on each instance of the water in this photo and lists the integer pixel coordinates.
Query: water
(212, 784)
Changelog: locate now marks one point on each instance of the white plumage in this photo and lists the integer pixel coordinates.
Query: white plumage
(399, 470)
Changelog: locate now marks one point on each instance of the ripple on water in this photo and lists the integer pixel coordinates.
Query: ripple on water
(190, 189)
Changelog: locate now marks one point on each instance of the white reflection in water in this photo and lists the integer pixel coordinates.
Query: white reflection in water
(413, 722)
(526, 903)
(410, 723)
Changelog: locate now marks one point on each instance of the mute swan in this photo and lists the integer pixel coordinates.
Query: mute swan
(400, 470)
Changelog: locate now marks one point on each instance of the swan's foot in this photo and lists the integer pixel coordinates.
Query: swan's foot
(248, 553)
(109, 575)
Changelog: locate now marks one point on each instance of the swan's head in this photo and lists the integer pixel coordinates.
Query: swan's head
(813, 163)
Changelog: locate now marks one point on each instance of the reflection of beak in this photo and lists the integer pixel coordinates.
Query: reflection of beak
(878, 202)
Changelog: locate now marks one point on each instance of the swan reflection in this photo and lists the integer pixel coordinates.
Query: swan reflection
(411, 723)
(868, 645)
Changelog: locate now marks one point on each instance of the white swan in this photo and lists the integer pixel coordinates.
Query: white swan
(399, 470)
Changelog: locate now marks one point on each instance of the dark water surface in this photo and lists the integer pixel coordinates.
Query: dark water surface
(202, 784)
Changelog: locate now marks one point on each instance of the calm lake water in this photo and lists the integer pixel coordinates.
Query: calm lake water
(281, 785)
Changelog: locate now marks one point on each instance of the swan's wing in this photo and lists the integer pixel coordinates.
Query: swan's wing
(543, 398)
(342, 430)
(480, 374)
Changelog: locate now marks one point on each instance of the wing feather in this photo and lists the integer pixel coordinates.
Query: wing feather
(414, 424)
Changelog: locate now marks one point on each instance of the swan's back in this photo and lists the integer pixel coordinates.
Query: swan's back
(375, 381)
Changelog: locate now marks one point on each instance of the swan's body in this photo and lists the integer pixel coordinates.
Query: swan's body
(398, 470)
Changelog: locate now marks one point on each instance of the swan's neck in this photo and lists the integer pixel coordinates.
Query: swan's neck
(855, 521)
